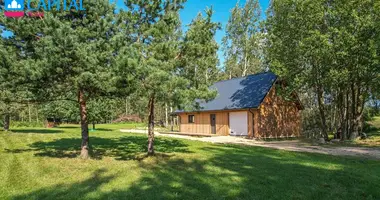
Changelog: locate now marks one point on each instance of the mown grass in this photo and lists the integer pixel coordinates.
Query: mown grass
(43, 164)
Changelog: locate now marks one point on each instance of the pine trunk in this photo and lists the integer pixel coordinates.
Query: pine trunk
(7, 120)
(151, 127)
(84, 125)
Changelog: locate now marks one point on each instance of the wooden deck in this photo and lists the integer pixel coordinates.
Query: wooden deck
(190, 134)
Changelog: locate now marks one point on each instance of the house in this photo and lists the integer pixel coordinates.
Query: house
(247, 106)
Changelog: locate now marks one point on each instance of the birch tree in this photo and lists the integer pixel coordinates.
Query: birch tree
(243, 42)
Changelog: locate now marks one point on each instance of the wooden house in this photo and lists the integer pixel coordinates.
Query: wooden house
(247, 106)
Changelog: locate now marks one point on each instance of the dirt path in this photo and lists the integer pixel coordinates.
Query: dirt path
(293, 145)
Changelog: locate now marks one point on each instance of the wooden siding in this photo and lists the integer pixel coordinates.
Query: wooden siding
(278, 118)
(253, 113)
(202, 123)
(275, 118)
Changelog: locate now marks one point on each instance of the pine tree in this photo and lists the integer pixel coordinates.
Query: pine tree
(12, 95)
(157, 32)
(165, 63)
(7, 57)
(198, 57)
(74, 56)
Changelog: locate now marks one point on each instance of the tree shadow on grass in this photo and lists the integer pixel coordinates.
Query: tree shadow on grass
(238, 173)
(121, 148)
(255, 173)
(37, 131)
(103, 129)
(77, 190)
(69, 127)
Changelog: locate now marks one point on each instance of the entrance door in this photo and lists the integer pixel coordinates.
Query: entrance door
(213, 123)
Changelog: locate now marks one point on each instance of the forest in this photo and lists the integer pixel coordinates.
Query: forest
(108, 65)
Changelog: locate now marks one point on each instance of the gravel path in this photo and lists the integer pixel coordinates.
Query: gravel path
(293, 145)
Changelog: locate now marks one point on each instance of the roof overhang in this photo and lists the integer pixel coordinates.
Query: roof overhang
(211, 111)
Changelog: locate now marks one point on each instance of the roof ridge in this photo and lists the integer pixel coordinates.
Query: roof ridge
(244, 76)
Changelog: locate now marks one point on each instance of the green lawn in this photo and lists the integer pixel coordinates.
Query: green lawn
(43, 164)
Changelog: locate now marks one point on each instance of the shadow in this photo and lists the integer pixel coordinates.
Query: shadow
(373, 132)
(122, 148)
(232, 172)
(252, 90)
(253, 173)
(103, 129)
(77, 190)
(69, 127)
(37, 131)
(240, 93)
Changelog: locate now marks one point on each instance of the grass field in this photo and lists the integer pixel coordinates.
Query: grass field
(43, 164)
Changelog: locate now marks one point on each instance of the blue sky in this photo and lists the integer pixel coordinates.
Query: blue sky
(222, 11)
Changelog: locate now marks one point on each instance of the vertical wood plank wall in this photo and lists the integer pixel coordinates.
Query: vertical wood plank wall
(202, 123)
(278, 118)
(252, 134)
(275, 118)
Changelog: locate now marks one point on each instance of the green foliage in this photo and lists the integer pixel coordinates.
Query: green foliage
(20, 124)
(102, 110)
(12, 95)
(243, 43)
(63, 110)
(198, 58)
(329, 49)
(71, 51)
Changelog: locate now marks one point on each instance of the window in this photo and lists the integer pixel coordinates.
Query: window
(191, 119)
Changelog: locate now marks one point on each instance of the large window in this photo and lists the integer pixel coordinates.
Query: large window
(191, 119)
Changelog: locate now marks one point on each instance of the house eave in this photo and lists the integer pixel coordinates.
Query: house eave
(208, 111)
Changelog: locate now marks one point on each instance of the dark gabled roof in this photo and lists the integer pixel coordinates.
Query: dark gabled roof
(240, 93)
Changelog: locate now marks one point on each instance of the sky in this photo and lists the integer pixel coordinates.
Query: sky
(221, 14)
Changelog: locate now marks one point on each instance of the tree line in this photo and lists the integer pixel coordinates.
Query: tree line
(328, 50)
(140, 57)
